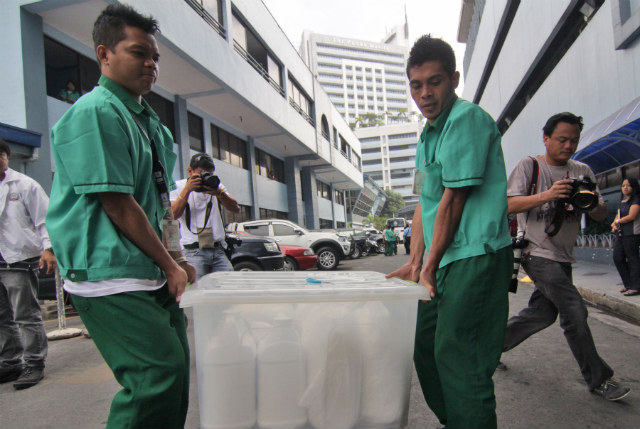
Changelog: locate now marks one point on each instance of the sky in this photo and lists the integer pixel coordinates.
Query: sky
(370, 19)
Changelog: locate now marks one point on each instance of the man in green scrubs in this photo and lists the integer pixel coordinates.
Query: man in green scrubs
(462, 215)
(110, 224)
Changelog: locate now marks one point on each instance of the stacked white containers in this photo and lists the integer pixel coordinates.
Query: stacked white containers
(285, 351)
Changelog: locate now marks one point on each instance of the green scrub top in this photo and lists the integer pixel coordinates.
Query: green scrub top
(98, 147)
(462, 148)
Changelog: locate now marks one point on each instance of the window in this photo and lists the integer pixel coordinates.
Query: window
(269, 166)
(280, 229)
(259, 229)
(247, 44)
(242, 216)
(299, 100)
(272, 214)
(229, 148)
(64, 65)
(626, 22)
(196, 138)
(325, 128)
(338, 197)
(323, 190)
(210, 11)
(326, 223)
(164, 109)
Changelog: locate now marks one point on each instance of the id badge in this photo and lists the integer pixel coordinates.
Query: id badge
(418, 181)
(171, 235)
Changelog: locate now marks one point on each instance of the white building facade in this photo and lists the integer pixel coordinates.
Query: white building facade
(367, 83)
(230, 85)
(526, 61)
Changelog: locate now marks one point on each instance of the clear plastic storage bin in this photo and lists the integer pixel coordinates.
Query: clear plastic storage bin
(288, 350)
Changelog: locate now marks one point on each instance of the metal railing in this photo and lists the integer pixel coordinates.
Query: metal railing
(207, 17)
(604, 241)
(258, 67)
(301, 111)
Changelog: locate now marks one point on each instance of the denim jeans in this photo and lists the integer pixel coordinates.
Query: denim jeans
(22, 334)
(208, 260)
(555, 295)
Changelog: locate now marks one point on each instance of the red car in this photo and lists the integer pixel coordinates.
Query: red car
(298, 258)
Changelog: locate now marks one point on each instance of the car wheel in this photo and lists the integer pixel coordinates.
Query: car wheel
(327, 258)
(356, 253)
(247, 266)
(365, 252)
(381, 247)
(289, 264)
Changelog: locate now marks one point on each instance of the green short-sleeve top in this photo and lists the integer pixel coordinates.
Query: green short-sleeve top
(98, 147)
(462, 148)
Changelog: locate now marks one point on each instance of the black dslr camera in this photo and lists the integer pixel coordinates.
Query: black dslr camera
(518, 243)
(583, 196)
(209, 180)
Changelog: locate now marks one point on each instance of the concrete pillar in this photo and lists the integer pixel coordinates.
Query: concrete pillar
(294, 190)
(310, 189)
(253, 178)
(35, 89)
(182, 133)
(333, 206)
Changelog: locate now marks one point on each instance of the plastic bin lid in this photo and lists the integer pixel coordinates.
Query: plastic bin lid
(256, 287)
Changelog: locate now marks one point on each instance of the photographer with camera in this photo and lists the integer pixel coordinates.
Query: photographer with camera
(195, 204)
(549, 217)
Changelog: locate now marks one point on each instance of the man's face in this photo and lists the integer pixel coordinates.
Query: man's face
(431, 88)
(4, 162)
(562, 143)
(133, 64)
(198, 170)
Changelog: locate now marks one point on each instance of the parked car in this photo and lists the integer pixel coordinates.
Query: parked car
(376, 236)
(248, 253)
(361, 245)
(298, 258)
(330, 247)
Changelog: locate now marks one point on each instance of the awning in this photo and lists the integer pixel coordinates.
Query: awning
(613, 142)
(19, 135)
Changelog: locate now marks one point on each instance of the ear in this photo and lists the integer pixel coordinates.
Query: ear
(102, 52)
(190, 171)
(455, 79)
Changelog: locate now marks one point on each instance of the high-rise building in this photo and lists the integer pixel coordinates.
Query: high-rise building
(367, 83)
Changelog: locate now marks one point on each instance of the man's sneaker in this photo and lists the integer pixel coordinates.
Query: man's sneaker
(29, 377)
(501, 366)
(9, 374)
(612, 390)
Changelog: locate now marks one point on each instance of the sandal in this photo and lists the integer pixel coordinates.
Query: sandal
(623, 290)
(631, 292)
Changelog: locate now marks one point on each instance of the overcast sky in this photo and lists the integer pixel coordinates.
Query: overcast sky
(370, 19)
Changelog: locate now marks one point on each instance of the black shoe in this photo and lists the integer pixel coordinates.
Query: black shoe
(501, 366)
(612, 390)
(29, 377)
(10, 374)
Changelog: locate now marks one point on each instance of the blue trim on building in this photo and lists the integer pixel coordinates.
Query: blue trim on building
(20, 135)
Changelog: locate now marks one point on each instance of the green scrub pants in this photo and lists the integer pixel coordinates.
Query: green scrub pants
(459, 338)
(143, 339)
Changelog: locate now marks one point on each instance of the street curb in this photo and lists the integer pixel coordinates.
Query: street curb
(611, 303)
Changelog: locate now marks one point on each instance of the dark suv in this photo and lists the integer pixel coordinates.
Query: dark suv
(249, 253)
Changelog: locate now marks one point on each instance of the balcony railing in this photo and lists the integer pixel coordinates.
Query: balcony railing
(258, 67)
(208, 18)
(353, 161)
(302, 113)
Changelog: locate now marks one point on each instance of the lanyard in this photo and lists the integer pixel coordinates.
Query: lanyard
(158, 169)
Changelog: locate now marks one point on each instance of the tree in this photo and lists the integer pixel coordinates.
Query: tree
(394, 203)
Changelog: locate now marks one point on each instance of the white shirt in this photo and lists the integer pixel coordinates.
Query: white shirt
(198, 206)
(23, 208)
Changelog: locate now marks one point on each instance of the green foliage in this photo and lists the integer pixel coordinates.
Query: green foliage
(394, 204)
(378, 222)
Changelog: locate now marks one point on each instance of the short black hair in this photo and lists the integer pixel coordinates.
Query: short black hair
(567, 117)
(202, 160)
(429, 48)
(4, 147)
(108, 30)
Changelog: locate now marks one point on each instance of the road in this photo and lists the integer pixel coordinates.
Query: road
(543, 387)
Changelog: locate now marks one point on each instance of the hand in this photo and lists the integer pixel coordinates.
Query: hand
(48, 261)
(193, 184)
(408, 271)
(190, 270)
(428, 280)
(176, 281)
(560, 189)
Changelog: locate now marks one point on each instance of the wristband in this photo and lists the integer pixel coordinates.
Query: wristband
(181, 259)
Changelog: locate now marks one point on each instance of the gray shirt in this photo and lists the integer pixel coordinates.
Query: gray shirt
(559, 247)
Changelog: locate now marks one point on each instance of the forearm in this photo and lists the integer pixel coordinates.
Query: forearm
(633, 214)
(524, 203)
(446, 224)
(417, 247)
(179, 204)
(229, 202)
(127, 215)
(599, 213)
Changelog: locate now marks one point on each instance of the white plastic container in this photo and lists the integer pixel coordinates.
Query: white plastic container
(352, 333)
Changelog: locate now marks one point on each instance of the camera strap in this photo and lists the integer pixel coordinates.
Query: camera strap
(157, 169)
(206, 216)
(533, 187)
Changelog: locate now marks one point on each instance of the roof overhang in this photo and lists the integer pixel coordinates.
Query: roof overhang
(613, 142)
